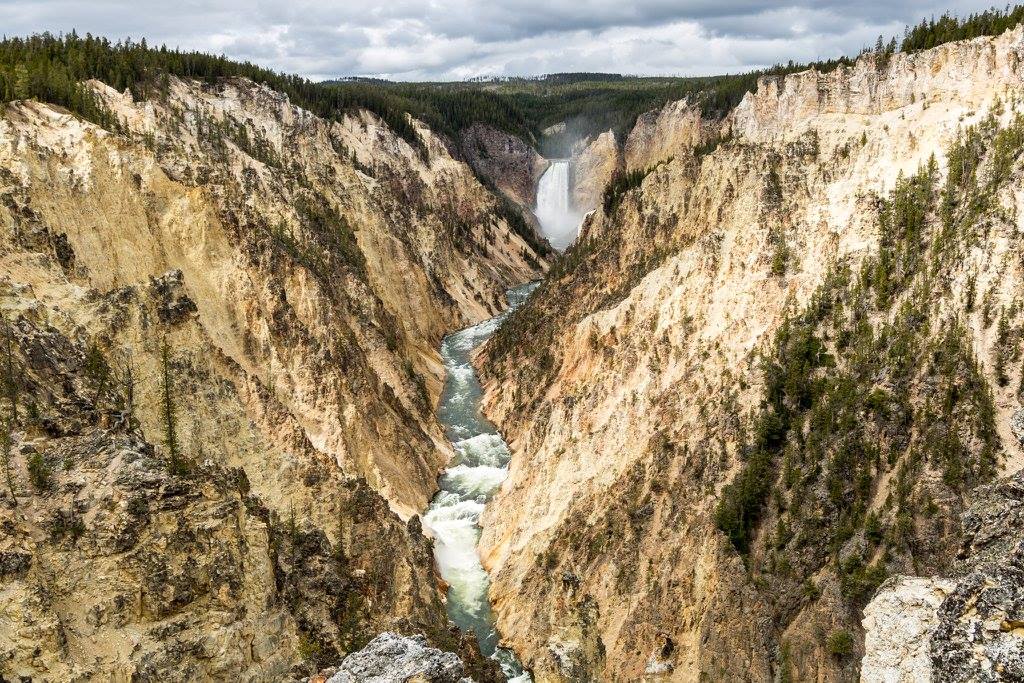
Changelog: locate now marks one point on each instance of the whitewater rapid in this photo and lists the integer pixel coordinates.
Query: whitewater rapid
(559, 221)
(475, 473)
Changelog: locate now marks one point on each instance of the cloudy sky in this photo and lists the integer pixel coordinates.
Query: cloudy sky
(457, 39)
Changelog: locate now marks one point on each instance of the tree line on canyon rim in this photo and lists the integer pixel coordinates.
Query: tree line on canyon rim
(52, 68)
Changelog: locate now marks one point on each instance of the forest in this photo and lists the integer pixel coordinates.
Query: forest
(947, 28)
(52, 68)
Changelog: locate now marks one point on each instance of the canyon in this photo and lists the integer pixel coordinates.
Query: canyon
(757, 417)
(286, 280)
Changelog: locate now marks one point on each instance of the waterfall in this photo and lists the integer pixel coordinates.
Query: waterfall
(559, 221)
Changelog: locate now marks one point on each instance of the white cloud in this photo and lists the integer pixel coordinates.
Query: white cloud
(454, 39)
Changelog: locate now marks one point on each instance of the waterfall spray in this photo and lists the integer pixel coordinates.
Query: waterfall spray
(559, 221)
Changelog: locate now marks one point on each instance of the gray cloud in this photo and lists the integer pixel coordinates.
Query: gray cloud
(452, 39)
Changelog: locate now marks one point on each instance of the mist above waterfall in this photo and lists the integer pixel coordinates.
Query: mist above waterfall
(559, 221)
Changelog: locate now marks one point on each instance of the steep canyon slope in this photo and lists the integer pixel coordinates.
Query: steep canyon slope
(221, 322)
(767, 375)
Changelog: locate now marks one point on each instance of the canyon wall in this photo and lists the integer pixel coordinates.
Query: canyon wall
(221, 322)
(506, 161)
(593, 164)
(656, 136)
(767, 378)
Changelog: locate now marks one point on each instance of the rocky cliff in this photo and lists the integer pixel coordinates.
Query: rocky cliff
(967, 626)
(593, 164)
(767, 378)
(661, 134)
(506, 161)
(221, 321)
(655, 137)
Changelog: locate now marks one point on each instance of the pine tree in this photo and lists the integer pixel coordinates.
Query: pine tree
(10, 377)
(22, 85)
(126, 378)
(1002, 340)
(5, 453)
(169, 410)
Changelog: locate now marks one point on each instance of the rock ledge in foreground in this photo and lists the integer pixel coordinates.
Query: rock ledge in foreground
(391, 658)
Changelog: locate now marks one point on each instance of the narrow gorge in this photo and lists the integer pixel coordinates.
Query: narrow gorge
(578, 378)
(480, 465)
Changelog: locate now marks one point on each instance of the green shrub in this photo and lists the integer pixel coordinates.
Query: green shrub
(39, 472)
(839, 643)
(780, 258)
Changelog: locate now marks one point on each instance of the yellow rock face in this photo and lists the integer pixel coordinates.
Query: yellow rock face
(623, 411)
(593, 165)
(301, 273)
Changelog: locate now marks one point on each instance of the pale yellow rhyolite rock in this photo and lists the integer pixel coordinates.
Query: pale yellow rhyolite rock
(661, 134)
(592, 165)
(127, 217)
(897, 629)
(661, 363)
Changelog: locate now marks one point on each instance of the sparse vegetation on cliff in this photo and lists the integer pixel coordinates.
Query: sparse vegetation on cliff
(878, 416)
(621, 183)
(5, 454)
(855, 352)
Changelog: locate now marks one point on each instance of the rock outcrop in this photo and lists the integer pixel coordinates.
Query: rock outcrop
(980, 630)
(391, 658)
(661, 134)
(594, 162)
(632, 387)
(898, 627)
(506, 161)
(656, 137)
(966, 628)
(120, 568)
(120, 559)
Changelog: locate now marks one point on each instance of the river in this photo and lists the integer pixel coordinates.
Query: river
(475, 473)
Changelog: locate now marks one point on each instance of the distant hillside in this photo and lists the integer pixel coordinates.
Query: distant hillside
(590, 103)
(51, 68)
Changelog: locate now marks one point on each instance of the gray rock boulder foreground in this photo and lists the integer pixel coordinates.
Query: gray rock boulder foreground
(980, 634)
(966, 628)
(980, 631)
(899, 624)
(391, 658)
